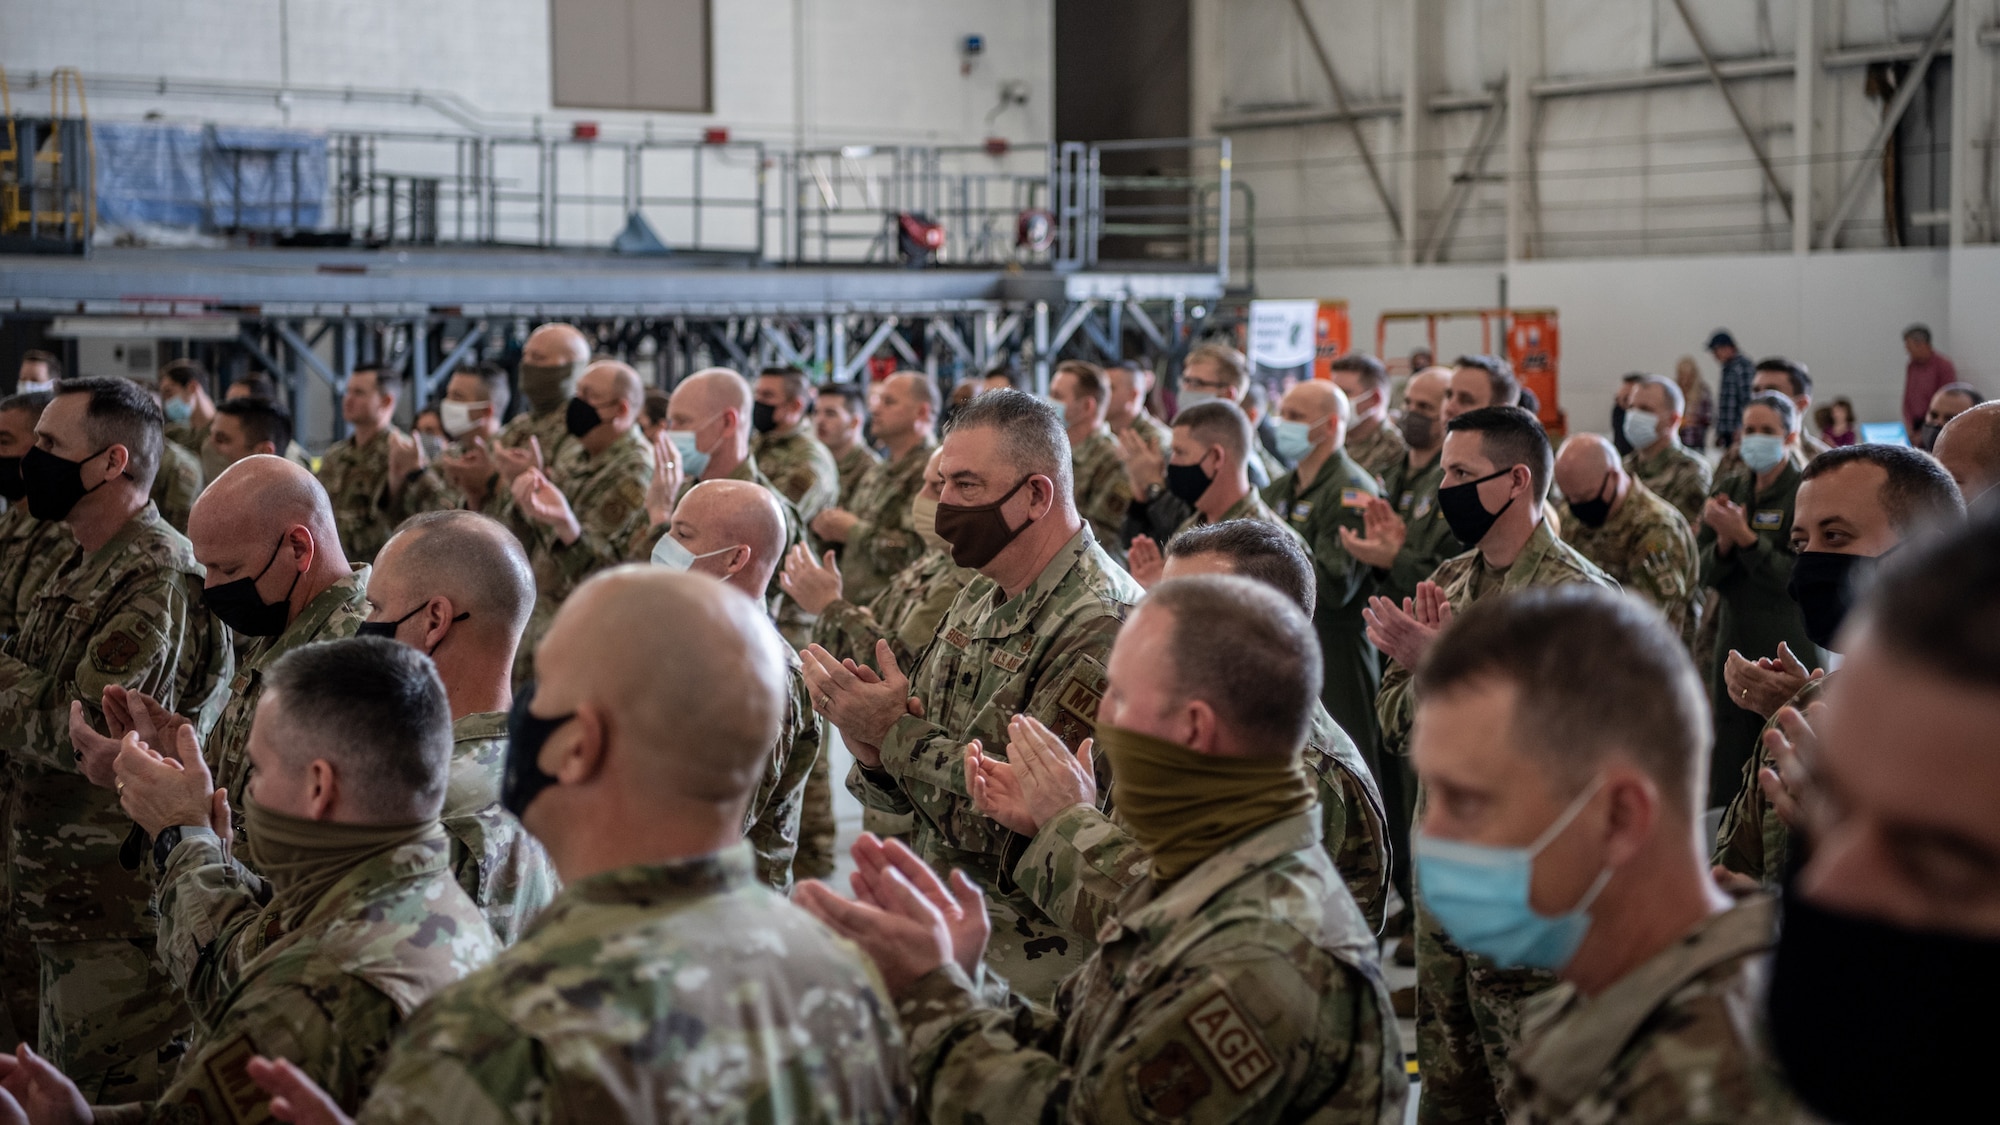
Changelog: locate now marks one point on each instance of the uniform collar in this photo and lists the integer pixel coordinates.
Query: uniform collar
(674, 883)
(1146, 909)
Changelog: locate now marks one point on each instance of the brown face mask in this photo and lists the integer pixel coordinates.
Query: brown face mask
(978, 532)
(549, 386)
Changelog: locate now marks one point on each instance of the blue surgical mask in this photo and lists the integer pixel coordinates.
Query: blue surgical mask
(693, 460)
(1294, 439)
(179, 410)
(670, 553)
(1761, 452)
(1480, 896)
(1191, 399)
(1642, 428)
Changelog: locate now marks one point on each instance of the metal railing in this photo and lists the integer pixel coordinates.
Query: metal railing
(845, 203)
(1166, 211)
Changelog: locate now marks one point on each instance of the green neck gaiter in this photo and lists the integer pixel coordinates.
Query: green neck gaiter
(1184, 806)
(548, 386)
(303, 858)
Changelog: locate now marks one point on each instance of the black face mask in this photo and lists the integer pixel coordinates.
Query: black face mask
(238, 604)
(763, 417)
(1927, 436)
(54, 484)
(12, 486)
(523, 780)
(1857, 1004)
(580, 418)
(1618, 431)
(1466, 514)
(387, 629)
(1826, 585)
(1188, 482)
(1593, 513)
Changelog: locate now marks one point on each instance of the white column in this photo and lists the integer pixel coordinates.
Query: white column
(1805, 96)
(1523, 61)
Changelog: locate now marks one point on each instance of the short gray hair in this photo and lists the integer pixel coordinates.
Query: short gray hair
(376, 709)
(1675, 398)
(1031, 434)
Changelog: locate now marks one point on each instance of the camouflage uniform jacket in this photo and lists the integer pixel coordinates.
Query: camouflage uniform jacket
(432, 492)
(853, 465)
(128, 613)
(1646, 547)
(501, 867)
(1245, 991)
(30, 551)
(672, 992)
(1676, 1040)
(189, 436)
(1675, 474)
(1251, 507)
(906, 613)
(801, 468)
(356, 477)
(176, 485)
(332, 616)
(1080, 862)
(1544, 561)
(1316, 512)
(1040, 653)
(607, 492)
(1379, 450)
(551, 431)
(328, 994)
(1413, 493)
(885, 541)
(771, 823)
(1103, 491)
(1752, 840)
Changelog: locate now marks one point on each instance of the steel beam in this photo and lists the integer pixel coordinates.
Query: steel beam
(1468, 174)
(1857, 181)
(1523, 43)
(457, 355)
(1353, 125)
(1805, 98)
(1736, 111)
(1969, 74)
(303, 351)
(845, 372)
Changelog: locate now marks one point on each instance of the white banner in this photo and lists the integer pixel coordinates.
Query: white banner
(1283, 334)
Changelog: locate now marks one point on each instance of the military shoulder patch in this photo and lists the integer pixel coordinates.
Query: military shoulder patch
(1768, 519)
(1235, 1046)
(1423, 507)
(240, 1097)
(1354, 498)
(1299, 511)
(115, 652)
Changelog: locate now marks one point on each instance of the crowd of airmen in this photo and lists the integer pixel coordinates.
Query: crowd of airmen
(481, 773)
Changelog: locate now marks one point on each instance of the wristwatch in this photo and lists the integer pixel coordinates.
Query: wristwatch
(170, 838)
(1153, 491)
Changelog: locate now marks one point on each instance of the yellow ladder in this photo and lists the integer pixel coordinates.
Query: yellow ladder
(69, 107)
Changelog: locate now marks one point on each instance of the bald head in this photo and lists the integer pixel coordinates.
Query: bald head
(555, 344)
(678, 715)
(256, 500)
(713, 390)
(470, 560)
(1320, 406)
(1969, 448)
(740, 525)
(1583, 464)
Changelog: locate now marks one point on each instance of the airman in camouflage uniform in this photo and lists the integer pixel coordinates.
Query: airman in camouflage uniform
(504, 870)
(176, 485)
(356, 476)
(571, 1019)
(607, 494)
(884, 541)
(128, 613)
(328, 994)
(1676, 475)
(1244, 991)
(1468, 1008)
(775, 823)
(1251, 507)
(1752, 840)
(800, 467)
(1103, 491)
(906, 613)
(1079, 863)
(1380, 450)
(1668, 1043)
(1646, 547)
(1039, 653)
(30, 550)
(1335, 498)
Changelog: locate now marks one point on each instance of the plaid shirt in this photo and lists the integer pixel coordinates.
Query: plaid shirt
(1732, 396)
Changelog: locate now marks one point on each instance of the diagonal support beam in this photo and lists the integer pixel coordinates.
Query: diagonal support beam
(847, 370)
(457, 355)
(1736, 111)
(311, 359)
(1353, 122)
(1489, 134)
(1870, 167)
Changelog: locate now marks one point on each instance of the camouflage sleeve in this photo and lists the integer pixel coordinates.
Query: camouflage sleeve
(1395, 708)
(1739, 839)
(609, 523)
(889, 548)
(427, 493)
(1077, 866)
(208, 906)
(848, 631)
(129, 645)
(877, 789)
(1188, 1051)
(336, 1030)
(1665, 574)
(776, 809)
(1356, 837)
(502, 1085)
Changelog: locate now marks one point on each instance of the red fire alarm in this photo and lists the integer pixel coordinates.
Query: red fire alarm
(715, 136)
(997, 146)
(583, 131)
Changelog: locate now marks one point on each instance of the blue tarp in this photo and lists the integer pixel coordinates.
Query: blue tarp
(188, 176)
